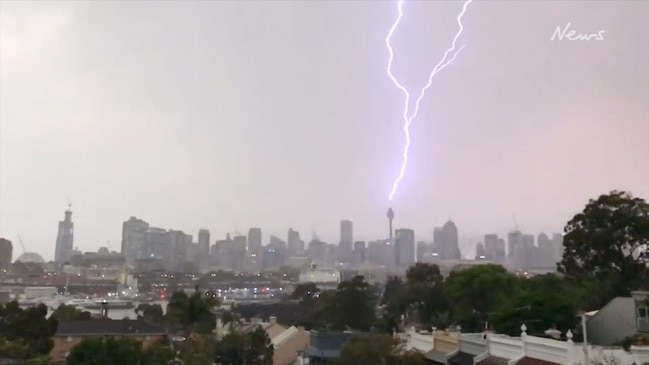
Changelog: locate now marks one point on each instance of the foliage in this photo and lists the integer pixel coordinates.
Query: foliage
(543, 302)
(191, 313)
(26, 327)
(602, 243)
(229, 351)
(393, 288)
(197, 350)
(258, 350)
(479, 291)
(378, 349)
(106, 351)
(151, 313)
(70, 313)
(254, 348)
(351, 306)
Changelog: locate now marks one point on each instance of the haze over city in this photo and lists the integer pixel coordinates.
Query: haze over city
(227, 116)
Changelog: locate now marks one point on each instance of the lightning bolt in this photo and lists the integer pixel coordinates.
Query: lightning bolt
(445, 61)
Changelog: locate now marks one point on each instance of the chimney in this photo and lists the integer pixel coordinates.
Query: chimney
(272, 319)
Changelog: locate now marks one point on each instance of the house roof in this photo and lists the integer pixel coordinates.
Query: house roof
(461, 358)
(436, 356)
(107, 327)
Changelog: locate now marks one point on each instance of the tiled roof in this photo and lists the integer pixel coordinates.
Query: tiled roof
(107, 327)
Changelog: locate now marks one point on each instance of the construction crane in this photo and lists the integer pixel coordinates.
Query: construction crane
(20, 239)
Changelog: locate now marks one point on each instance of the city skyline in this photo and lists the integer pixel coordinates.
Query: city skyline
(239, 115)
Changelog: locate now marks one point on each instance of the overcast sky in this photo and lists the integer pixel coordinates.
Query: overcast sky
(280, 114)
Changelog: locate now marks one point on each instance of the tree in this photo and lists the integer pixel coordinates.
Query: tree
(106, 351)
(229, 351)
(477, 292)
(29, 326)
(159, 353)
(69, 313)
(378, 349)
(254, 348)
(197, 350)
(393, 287)
(603, 243)
(543, 302)
(258, 350)
(191, 313)
(352, 305)
(152, 313)
(305, 292)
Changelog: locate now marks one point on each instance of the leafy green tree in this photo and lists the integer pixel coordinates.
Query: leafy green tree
(197, 350)
(602, 245)
(29, 326)
(393, 287)
(106, 351)
(543, 302)
(352, 305)
(477, 292)
(69, 313)
(193, 313)
(378, 349)
(235, 348)
(159, 353)
(305, 292)
(17, 349)
(151, 313)
(229, 351)
(258, 350)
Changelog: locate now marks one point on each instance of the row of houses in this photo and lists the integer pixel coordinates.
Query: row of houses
(451, 347)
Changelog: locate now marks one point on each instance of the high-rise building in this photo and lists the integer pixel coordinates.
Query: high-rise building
(204, 241)
(360, 254)
(135, 239)
(254, 241)
(404, 247)
(64, 239)
(203, 257)
(446, 241)
(6, 251)
(295, 243)
(345, 246)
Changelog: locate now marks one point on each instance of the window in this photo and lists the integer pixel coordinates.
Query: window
(643, 312)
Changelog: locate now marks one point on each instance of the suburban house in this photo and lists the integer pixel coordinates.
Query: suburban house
(493, 349)
(620, 318)
(324, 347)
(445, 345)
(71, 333)
(288, 344)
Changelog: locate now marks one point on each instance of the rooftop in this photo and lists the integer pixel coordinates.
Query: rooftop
(107, 327)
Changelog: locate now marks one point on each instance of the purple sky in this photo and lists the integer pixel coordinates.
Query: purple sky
(280, 114)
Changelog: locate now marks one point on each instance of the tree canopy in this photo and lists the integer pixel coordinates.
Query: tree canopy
(604, 242)
(378, 349)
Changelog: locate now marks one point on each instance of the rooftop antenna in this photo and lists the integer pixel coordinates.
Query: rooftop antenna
(69, 202)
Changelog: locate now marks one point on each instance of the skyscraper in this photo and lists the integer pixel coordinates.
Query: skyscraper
(345, 246)
(404, 247)
(64, 238)
(6, 251)
(254, 242)
(295, 243)
(135, 239)
(203, 248)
